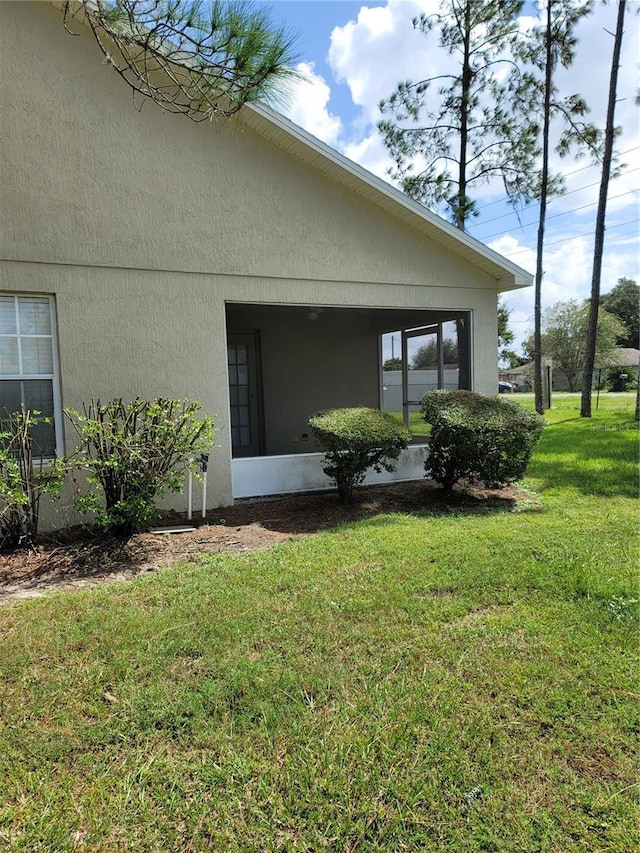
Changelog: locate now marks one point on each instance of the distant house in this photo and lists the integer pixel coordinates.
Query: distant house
(628, 357)
(242, 263)
(522, 377)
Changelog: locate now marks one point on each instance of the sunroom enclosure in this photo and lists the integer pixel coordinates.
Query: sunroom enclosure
(287, 362)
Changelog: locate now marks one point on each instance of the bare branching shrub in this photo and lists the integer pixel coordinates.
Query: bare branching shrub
(133, 453)
(24, 477)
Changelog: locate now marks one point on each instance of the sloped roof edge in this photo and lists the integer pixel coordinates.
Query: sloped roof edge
(284, 132)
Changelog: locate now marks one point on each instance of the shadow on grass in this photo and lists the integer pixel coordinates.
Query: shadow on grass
(593, 460)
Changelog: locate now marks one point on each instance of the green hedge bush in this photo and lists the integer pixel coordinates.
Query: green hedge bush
(355, 440)
(476, 437)
(614, 383)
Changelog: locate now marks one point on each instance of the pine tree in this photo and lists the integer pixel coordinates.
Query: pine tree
(610, 134)
(464, 133)
(553, 42)
(200, 59)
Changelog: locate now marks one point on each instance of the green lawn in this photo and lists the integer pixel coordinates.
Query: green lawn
(417, 425)
(449, 682)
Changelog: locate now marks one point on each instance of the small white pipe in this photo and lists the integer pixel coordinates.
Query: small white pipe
(204, 494)
(189, 494)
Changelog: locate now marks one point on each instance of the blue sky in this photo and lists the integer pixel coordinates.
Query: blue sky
(354, 53)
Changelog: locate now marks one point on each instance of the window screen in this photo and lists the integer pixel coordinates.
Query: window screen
(27, 364)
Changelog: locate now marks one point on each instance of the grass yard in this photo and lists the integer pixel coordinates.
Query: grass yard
(448, 682)
(417, 425)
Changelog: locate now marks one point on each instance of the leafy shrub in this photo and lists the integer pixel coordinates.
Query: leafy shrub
(23, 480)
(615, 383)
(135, 452)
(477, 437)
(355, 440)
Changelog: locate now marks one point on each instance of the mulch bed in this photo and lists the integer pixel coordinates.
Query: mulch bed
(80, 558)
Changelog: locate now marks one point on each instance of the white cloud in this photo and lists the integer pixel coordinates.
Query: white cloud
(372, 53)
(519, 302)
(567, 273)
(370, 153)
(380, 48)
(308, 105)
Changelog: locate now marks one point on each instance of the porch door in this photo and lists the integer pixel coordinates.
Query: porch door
(421, 351)
(245, 394)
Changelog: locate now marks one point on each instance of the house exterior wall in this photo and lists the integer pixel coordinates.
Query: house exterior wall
(144, 225)
(94, 182)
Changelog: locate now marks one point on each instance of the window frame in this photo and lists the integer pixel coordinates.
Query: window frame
(434, 324)
(53, 377)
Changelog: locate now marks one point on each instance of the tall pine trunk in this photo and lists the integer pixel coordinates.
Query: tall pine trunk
(592, 323)
(537, 310)
(467, 75)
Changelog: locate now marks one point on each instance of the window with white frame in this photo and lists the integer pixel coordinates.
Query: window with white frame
(28, 374)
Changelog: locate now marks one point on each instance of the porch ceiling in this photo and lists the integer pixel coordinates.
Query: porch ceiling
(382, 319)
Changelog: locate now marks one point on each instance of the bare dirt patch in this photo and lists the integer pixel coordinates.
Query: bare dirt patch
(80, 558)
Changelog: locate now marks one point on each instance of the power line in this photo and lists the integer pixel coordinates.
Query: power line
(575, 237)
(557, 198)
(556, 215)
(567, 175)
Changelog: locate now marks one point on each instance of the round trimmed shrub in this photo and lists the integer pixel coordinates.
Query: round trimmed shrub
(355, 440)
(477, 437)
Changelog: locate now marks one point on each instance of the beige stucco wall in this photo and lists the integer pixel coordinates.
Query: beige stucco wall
(89, 180)
(144, 225)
